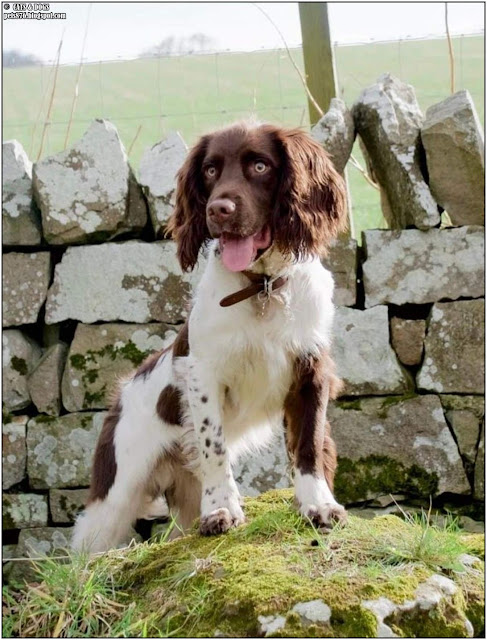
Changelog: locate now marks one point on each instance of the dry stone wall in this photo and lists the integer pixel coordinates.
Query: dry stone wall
(91, 288)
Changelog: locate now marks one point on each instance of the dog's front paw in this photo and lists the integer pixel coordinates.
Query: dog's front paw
(324, 515)
(220, 520)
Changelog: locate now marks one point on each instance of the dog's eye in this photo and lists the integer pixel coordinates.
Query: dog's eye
(210, 171)
(260, 166)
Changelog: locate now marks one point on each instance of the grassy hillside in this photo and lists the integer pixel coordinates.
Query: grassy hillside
(197, 93)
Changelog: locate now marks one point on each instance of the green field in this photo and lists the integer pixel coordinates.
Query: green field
(196, 93)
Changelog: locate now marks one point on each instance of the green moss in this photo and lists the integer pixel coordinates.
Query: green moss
(353, 622)
(389, 401)
(63, 503)
(94, 399)
(474, 544)
(78, 361)
(475, 612)
(19, 365)
(89, 364)
(91, 376)
(130, 352)
(193, 586)
(447, 620)
(349, 405)
(7, 521)
(358, 479)
(43, 419)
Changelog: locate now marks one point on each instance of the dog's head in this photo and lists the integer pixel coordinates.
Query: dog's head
(253, 187)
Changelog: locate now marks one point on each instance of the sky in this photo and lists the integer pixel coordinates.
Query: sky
(124, 30)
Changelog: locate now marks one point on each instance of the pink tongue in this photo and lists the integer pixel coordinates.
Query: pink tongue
(237, 253)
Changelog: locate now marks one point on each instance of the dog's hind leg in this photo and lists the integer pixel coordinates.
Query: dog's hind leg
(126, 456)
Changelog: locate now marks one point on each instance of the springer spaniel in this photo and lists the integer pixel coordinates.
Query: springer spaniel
(253, 356)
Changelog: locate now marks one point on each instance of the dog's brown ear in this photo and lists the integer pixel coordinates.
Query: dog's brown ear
(311, 202)
(187, 225)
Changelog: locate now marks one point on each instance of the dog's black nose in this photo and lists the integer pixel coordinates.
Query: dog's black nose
(221, 208)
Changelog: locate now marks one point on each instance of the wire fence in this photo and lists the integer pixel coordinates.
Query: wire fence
(147, 97)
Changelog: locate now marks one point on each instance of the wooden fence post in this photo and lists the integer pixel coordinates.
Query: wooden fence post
(319, 68)
(319, 60)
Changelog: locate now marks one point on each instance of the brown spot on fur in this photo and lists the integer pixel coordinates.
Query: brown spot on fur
(169, 405)
(308, 436)
(329, 456)
(180, 348)
(104, 464)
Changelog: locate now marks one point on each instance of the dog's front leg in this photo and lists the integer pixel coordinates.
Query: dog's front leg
(220, 500)
(309, 441)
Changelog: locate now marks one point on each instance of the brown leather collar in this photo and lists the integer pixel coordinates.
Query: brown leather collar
(261, 283)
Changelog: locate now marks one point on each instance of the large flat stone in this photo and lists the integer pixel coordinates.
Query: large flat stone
(336, 132)
(60, 450)
(65, 504)
(44, 382)
(14, 451)
(342, 262)
(417, 267)
(25, 281)
(453, 139)
(388, 119)
(364, 357)
(157, 175)
(101, 355)
(21, 220)
(20, 355)
(23, 510)
(454, 349)
(88, 192)
(395, 446)
(131, 281)
(267, 469)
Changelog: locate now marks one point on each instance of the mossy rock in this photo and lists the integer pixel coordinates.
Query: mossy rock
(233, 585)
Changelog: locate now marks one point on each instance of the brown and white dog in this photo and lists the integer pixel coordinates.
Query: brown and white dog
(252, 357)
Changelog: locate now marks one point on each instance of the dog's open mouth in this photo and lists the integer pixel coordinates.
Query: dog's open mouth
(238, 252)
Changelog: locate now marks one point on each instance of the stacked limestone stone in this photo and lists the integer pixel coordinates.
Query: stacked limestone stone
(91, 288)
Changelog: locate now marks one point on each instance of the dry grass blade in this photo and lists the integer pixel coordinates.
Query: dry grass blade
(59, 626)
(298, 70)
(450, 52)
(133, 141)
(51, 102)
(41, 106)
(359, 167)
(76, 88)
